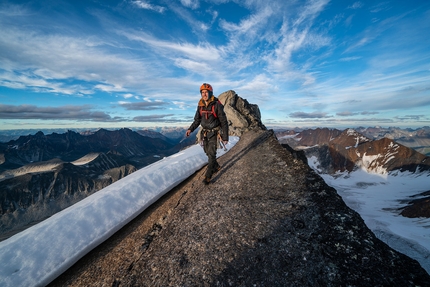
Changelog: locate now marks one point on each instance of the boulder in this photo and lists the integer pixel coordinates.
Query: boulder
(242, 116)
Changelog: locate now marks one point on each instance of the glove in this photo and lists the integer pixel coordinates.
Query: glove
(188, 133)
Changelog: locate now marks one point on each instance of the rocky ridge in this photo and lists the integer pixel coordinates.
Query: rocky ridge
(267, 220)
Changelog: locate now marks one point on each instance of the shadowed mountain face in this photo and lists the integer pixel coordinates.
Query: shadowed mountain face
(43, 174)
(71, 146)
(48, 187)
(267, 220)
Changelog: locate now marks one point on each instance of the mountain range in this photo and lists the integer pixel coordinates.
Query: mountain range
(349, 149)
(43, 174)
(345, 151)
(418, 139)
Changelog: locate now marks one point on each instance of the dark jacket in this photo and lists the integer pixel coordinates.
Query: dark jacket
(208, 120)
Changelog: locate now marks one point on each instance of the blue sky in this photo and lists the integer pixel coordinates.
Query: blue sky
(320, 63)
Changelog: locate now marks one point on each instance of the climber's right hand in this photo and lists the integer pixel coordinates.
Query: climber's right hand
(188, 133)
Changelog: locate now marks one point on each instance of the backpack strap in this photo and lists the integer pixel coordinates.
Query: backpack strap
(212, 111)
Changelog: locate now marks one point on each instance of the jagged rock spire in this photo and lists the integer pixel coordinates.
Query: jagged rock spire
(242, 116)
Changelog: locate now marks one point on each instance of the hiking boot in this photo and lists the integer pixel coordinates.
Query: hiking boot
(218, 168)
(207, 180)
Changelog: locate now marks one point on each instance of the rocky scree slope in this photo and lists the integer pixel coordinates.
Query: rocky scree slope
(267, 220)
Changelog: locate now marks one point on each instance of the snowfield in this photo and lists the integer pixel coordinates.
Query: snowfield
(377, 198)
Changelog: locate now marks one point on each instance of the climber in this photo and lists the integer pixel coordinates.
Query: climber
(211, 116)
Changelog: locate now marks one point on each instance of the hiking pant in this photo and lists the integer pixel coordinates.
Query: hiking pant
(210, 147)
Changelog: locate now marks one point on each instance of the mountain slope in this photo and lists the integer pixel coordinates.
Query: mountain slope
(71, 146)
(347, 150)
(267, 220)
(418, 139)
(36, 191)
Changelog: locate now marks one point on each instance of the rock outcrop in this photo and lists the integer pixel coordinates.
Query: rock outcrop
(267, 220)
(242, 116)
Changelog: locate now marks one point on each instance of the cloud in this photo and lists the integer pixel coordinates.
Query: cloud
(369, 113)
(295, 39)
(356, 5)
(148, 6)
(52, 63)
(382, 6)
(179, 105)
(195, 25)
(248, 26)
(201, 51)
(193, 4)
(346, 114)
(413, 117)
(313, 115)
(349, 59)
(77, 113)
(158, 118)
(143, 106)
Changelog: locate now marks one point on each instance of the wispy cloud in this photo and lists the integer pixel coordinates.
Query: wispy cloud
(143, 106)
(346, 114)
(195, 24)
(349, 59)
(295, 36)
(313, 115)
(369, 113)
(158, 118)
(193, 4)
(356, 5)
(147, 5)
(54, 113)
(38, 61)
(378, 7)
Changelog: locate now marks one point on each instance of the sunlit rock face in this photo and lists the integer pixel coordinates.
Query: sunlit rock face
(348, 150)
(336, 151)
(266, 220)
(242, 116)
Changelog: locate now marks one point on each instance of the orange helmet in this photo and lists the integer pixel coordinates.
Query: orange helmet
(206, 86)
